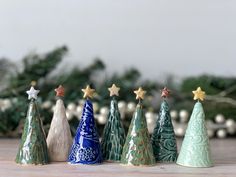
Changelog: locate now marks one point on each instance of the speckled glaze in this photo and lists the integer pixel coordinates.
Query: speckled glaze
(59, 138)
(86, 146)
(195, 150)
(163, 137)
(33, 146)
(113, 138)
(138, 150)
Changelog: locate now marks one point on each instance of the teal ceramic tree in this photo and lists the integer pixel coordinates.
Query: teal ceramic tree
(33, 146)
(195, 150)
(113, 138)
(163, 137)
(138, 150)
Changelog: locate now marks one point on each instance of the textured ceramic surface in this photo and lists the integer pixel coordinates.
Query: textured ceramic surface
(195, 150)
(138, 149)
(113, 138)
(59, 138)
(163, 138)
(86, 146)
(33, 147)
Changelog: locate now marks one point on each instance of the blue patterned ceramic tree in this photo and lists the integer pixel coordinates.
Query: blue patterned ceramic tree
(86, 147)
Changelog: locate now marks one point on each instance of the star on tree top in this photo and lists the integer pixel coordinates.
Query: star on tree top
(199, 94)
(32, 93)
(140, 93)
(60, 91)
(114, 90)
(88, 92)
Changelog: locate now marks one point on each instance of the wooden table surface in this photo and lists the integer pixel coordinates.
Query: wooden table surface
(223, 152)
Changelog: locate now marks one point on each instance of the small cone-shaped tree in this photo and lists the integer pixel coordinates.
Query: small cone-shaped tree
(33, 146)
(195, 150)
(163, 137)
(59, 138)
(138, 149)
(113, 138)
(86, 146)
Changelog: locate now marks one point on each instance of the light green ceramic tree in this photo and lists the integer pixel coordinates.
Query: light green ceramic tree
(138, 150)
(195, 150)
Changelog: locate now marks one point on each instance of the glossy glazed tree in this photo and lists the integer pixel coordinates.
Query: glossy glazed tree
(113, 138)
(163, 137)
(138, 150)
(33, 146)
(86, 146)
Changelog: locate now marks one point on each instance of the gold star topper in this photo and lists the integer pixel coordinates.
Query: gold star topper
(199, 94)
(114, 90)
(140, 93)
(88, 92)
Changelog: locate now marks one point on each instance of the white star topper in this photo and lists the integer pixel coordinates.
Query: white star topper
(32, 93)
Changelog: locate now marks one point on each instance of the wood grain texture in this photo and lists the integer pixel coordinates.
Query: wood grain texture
(223, 153)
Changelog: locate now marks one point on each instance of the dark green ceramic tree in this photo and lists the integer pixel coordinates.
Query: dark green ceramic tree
(113, 138)
(163, 137)
(33, 147)
(138, 150)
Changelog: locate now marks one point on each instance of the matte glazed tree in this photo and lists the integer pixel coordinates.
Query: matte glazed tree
(195, 149)
(59, 138)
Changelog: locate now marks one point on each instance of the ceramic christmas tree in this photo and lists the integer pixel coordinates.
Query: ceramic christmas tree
(86, 146)
(138, 150)
(59, 138)
(163, 137)
(33, 146)
(113, 138)
(195, 150)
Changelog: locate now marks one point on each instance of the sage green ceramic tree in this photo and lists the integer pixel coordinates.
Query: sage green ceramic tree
(195, 150)
(33, 146)
(138, 150)
(113, 137)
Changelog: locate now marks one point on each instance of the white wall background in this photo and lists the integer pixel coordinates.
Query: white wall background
(157, 36)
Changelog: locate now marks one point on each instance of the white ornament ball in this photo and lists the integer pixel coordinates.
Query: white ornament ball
(96, 116)
(183, 115)
(210, 133)
(174, 114)
(46, 104)
(220, 118)
(104, 111)
(131, 107)
(81, 102)
(102, 119)
(179, 131)
(150, 128)
(122, 106)
(53, 108)
(95, 107)
(231, 130)
(221, 133)
(230, 123)
(71, 107)
(150, 117)
(231, 126)
(69, 115)
(78, 111)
